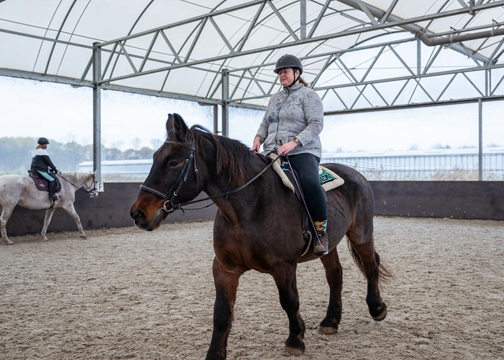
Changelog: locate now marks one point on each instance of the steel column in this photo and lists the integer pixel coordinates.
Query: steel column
(97, 110)
(225, 102)
(480, 140)
(216, 119)
(302, 20)
(419, 58)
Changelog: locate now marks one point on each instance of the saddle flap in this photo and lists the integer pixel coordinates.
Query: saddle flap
(41, 183)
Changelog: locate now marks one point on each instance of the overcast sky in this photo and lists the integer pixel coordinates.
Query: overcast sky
(64, 113)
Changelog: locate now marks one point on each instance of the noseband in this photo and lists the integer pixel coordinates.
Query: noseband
(180, 180)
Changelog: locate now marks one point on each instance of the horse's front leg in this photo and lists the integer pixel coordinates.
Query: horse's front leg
(334, 276)
(71, 210)
(47, 220)
(6, 213)
(285, 279)
(226, 286)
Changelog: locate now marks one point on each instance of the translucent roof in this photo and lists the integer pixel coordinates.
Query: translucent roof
(181, 47)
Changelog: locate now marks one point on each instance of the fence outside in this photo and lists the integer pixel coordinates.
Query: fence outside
(435, 164)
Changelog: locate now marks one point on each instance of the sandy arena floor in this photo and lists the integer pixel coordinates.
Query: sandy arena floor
(126, 293)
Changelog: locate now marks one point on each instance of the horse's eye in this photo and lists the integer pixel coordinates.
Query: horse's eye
(172, 163)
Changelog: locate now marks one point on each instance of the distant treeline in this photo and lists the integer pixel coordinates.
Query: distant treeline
(15, 154)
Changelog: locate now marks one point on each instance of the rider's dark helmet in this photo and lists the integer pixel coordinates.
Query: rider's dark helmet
(42, 141)
(288, 61)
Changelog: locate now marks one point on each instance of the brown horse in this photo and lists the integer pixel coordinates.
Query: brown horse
(260, 226)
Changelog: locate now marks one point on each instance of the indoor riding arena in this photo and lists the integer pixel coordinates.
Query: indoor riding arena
(411, 94)
(127, 293)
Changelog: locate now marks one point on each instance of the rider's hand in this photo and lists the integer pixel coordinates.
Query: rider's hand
(257, 144)
(285, 148)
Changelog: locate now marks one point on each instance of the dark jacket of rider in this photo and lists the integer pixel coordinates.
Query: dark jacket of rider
(41, 161)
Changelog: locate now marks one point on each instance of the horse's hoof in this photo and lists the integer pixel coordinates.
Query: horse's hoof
(294, 345)
(9, 242)
(83, 237)
(382, 315)
(327, 330)
(294, 351)
(45, 239)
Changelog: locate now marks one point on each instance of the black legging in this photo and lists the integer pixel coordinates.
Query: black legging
(306, 166)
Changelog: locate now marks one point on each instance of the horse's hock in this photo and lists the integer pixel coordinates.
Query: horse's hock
(128, 293)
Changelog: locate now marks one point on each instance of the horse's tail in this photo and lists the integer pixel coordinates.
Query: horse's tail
(383, 273)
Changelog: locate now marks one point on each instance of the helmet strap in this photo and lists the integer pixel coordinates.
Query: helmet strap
(295, 79)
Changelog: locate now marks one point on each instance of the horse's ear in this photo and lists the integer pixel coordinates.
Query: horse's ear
(177, 129)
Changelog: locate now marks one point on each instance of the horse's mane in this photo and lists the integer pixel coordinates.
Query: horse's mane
(230, 154)
(76, 175)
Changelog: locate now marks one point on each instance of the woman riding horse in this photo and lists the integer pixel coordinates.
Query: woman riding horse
(263, 232)
(292, 124)
(41, 163)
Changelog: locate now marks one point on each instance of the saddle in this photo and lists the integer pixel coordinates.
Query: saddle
(328, 179)
(41, 183)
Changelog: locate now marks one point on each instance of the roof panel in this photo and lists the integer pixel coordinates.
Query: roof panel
(343, 27)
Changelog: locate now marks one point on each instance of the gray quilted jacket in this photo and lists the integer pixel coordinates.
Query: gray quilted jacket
(293, 112)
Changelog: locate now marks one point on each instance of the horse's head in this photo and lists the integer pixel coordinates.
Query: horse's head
(91, 186)
(173, 178)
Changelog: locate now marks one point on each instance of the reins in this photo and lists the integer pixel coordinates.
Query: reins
(79, 187)
(183, 177)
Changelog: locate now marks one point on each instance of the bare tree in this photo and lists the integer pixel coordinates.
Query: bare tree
(156, 143)
(136, 143)
(117, 144)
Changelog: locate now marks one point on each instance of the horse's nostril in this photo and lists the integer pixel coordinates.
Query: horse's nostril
(138, 215)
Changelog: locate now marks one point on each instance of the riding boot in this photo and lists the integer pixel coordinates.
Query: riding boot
(322, 244)
(52, 191)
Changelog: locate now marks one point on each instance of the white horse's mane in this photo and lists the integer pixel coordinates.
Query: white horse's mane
(77, 175)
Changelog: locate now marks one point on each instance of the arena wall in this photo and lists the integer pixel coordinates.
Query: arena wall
(450, 199)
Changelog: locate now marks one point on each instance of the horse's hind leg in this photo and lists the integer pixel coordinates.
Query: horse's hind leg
(368, 260)
(6, 213)
(226, 286)
(285, 279)
(334, 276)
(47, 220)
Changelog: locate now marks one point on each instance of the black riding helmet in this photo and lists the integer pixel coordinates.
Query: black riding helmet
(42, 141)
(289, 61)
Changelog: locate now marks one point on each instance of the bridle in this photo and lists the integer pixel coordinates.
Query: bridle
(183, 177)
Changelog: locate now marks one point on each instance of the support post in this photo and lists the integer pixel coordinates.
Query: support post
(97, 110)
(225, 102)
(302, 19)
(419, 57)
(216, 119)
(480, 140)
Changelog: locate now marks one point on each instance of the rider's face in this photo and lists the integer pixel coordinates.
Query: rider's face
(286, 76)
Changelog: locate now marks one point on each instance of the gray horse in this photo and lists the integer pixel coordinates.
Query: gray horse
(21, 190)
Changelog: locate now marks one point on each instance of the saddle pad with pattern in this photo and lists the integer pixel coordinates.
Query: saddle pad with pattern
(328, 179)
(43, 184)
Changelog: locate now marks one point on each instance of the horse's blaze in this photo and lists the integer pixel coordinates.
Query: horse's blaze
(153, 215)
